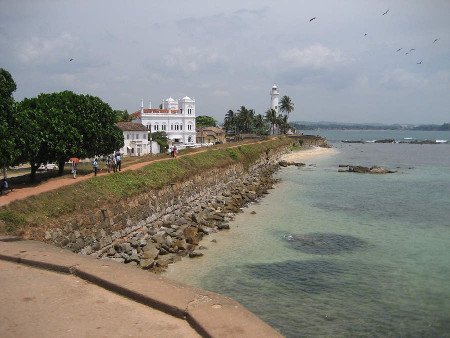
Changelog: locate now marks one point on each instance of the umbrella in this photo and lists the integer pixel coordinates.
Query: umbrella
(74, 159)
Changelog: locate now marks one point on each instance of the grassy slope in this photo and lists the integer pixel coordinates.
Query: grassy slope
(92, 193)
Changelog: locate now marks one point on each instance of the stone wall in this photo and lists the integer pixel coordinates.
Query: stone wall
(158, 227)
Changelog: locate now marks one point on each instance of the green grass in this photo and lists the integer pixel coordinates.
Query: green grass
(37, 211)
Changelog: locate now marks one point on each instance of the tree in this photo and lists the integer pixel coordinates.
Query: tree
(245, 119)
(122, 116)
(260, 125)
(282, 123)
(161, 138)
(57, 126)
(286, 105)
(229, 122)
(8, 150)
(205, 121)
(271, 118)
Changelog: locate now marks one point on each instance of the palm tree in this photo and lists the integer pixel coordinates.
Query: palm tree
(230, 121)
(282, 123)
(286, 105)
(245, 119)
(271, 117)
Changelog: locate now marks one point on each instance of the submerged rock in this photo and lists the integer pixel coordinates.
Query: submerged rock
(324, 243)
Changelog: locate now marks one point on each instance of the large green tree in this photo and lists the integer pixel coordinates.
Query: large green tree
(286, 105)
(8, 149)
(122, 116)
(205, 121)
(65, 124)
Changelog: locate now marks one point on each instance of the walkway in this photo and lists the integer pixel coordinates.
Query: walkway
(51, 292)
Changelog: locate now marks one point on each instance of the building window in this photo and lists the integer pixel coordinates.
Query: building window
(137, 136)
(163, 127)
(189, 111)
(128, 136)
(132, 136)
(171, 127)
(181, 111)
(144, 136)
(181, 127)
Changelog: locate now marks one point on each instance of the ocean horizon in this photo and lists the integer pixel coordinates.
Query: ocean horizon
(342, 254)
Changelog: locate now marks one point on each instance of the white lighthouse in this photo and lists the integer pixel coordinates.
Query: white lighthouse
(274, 98)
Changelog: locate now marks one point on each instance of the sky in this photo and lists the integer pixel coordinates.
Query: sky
(226, 54)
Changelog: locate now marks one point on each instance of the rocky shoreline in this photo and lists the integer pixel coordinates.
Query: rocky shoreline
(155, 245)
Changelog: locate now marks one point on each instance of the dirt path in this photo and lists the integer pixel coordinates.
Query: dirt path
(21, 193)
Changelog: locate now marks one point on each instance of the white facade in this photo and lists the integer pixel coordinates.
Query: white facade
(176, 118)
(274, 98)
(136, 141)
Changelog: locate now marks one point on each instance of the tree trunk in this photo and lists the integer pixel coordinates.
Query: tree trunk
(34, 168)
(61, 163)
(5, 174)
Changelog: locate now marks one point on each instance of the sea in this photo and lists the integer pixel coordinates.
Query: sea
(341, 254)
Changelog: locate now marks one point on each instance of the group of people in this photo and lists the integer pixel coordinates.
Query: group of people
(113, 163)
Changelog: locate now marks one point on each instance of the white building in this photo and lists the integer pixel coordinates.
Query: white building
(136, 141)
(274, 98)
(176, 118)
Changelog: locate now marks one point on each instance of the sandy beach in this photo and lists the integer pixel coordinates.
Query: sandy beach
(309, 153)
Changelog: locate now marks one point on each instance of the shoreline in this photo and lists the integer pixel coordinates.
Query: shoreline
(211, 242)
(310, 153)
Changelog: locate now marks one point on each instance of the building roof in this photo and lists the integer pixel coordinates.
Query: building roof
(131, 126)
(137, 114)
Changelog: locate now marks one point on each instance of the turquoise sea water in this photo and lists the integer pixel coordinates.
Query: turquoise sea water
(342, 254)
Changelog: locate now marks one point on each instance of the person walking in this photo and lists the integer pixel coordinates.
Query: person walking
(74, 169)
(118, 161)
(4, 186)
(108, 163)
(175, 151)
(95, 166)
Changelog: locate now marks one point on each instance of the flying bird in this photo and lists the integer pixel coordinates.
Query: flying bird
(419, 63)
(406, 53)
(385, 12)
(365, 34)
(436, 40)
(398, 50)
(312, 19)
(412, 49)
(70, 60)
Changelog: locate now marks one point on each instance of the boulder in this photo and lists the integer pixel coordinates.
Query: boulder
(191, 235)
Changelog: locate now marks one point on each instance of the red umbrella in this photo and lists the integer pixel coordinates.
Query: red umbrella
(74, 159)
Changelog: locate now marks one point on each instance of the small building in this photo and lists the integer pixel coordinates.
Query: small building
(136, 141)
(212, 135)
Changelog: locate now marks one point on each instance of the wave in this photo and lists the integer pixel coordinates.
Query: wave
(441, 141)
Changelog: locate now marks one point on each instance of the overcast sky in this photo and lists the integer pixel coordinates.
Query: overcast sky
(229, 53)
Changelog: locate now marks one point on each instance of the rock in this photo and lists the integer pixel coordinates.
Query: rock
(195, 254)
(253, 212)
(111, 251)
(214, 240)
(150, 251)
(191, 235)
(48, 235)
(126, 247)
(146, 263)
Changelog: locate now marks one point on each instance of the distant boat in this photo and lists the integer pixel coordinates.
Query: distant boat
(441, 141)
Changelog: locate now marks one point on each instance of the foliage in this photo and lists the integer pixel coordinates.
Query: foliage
(286, 105)
(8, 150)
(122, 116)
(205, 121)
(57, 126)
(245, 121)
(271, 118)
(161, 138)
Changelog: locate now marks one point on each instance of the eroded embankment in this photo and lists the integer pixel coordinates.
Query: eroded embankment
(153, 216)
